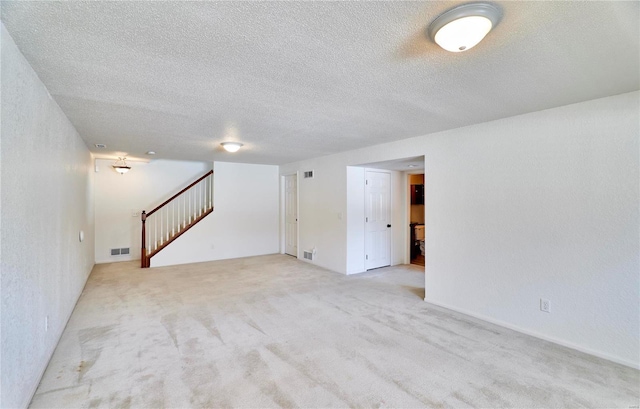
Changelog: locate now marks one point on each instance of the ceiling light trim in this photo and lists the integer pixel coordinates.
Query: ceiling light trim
(487, 10)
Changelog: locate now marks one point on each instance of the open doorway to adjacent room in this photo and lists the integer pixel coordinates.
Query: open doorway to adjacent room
(416, 218)
(397, 201)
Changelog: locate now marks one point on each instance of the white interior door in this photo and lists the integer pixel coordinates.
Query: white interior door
(291, 215)
(377, 219)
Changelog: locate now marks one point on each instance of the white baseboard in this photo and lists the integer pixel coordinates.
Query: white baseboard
(599, 354)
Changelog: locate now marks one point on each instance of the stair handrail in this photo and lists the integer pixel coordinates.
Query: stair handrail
(146, 257)
(179, 193)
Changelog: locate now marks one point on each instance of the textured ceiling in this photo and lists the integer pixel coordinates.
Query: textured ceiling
(294, 80)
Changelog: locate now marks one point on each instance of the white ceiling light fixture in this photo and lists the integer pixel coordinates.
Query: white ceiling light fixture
(463, 27)
(121, 166)
(231, 146)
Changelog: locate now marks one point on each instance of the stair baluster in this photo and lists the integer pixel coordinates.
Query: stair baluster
(175, 216)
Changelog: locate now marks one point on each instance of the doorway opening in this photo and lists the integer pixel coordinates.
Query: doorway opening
(361, 242)
(416, 218)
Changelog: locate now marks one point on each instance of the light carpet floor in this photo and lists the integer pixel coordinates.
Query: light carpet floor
(272, 331)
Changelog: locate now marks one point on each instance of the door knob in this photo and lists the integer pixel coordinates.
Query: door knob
(388, 225)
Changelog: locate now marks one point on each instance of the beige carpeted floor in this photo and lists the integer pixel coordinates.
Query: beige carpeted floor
(273, 331)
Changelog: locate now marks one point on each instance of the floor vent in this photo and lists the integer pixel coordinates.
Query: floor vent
(308, 174)
(308, 255)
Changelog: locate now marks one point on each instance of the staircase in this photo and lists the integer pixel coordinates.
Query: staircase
(171, 219)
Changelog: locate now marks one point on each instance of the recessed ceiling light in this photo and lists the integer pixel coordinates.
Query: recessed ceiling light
(463, 27)
(231, 146)
(151, 153)
(101, 145)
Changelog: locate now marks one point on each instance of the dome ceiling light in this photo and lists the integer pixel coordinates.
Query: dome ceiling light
(121, 166)
(231, 146)
(463, 27)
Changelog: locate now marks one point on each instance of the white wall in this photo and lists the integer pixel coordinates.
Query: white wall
(245, 220)
(321, 212)
(542, 206)
(539, 205)
(144, 187)
(47, 199)
(399, 243)
(355, 220)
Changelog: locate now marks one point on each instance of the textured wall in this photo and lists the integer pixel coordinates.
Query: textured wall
(47, 198)
(143, 188)
(542, 205)
(244, 221)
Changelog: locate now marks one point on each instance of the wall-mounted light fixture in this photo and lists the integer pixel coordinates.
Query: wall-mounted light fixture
(121, 166)
(231, 146)
(463, 27)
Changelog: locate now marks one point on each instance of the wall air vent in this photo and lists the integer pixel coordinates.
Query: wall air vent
(124, 250)
(120, 252)
(101, 145)
(115, 252)
(308, 255)
(308, 174)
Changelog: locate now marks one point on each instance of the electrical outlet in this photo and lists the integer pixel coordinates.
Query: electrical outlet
(46, 324)
(135, 213)
(545, 305)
